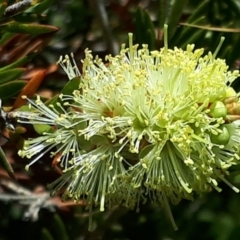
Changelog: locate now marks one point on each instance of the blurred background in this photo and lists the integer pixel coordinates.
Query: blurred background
(34, 34)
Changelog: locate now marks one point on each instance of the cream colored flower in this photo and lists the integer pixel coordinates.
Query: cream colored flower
(159, 125)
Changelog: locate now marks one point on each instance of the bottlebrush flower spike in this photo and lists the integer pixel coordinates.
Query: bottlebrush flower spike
(160, 125)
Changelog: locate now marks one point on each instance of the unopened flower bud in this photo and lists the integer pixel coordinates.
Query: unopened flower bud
(218, 109)
(221, 138)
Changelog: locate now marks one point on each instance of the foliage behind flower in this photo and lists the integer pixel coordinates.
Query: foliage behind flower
(160, 125)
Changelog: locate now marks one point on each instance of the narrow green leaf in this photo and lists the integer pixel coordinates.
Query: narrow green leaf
(68, 89)
(176, 13)
(53, 100)
(26, 17)
(235, 54)
(18, 63)
(163, 6)
(139, 26)
(234, 232)
(72, 85)
(3, 6)
(11, 74)
(5, 37)
(187, 32)
(196, 36)
(85, 145)
(146, 150)
(10, 89)
(40, 7)
(199, 12)
(34, 28)
(58, 228)
(150, 32)
(144, 29)
(233, 5)
(41, 128)
(46, 235)
(7, 166)
(151, 40)
(225, 53)
(98, 139)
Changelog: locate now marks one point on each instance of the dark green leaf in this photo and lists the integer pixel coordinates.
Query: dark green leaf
(40, 7)
(7, 166)
(72, 85)
(199, 12)
(162, 12)
(144, 29)
(235, 233)
(176, 12)
(68, 89)
(186, 33)
(58, 228)
(34, 28)
(18, 63)
(10, 89)
(46, 235)
(146, 150)
(53, 100)
(3, 6)
(98, 140)
(41, 128)
(26, 18)
(9, 75)
(5, 37)
(193, 38)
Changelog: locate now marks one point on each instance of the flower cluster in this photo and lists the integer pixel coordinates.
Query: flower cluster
(148, 125)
